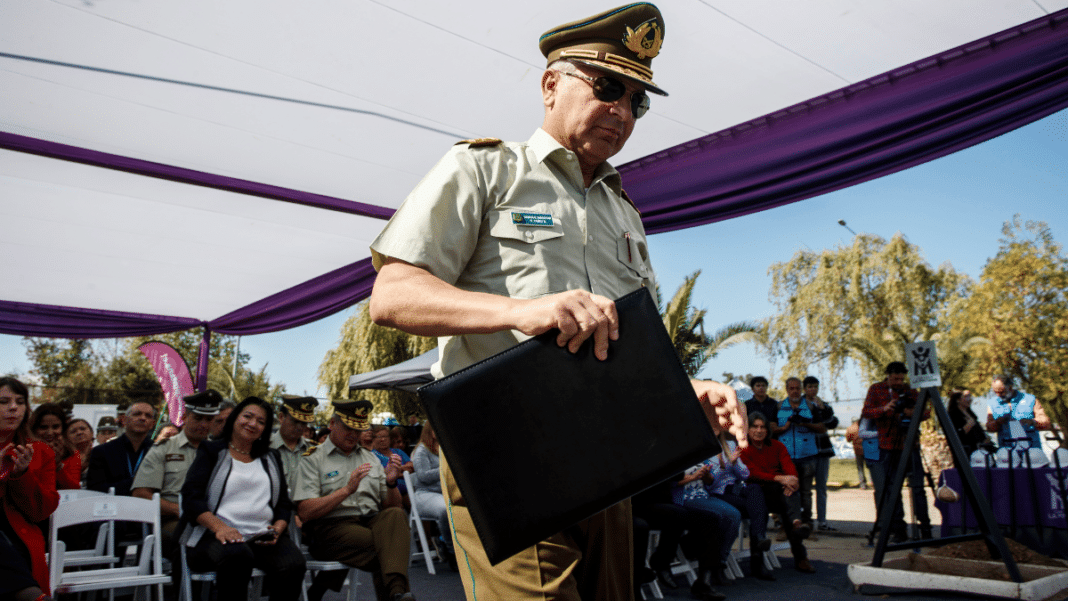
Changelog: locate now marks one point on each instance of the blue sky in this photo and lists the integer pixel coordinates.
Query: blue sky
(952, 208)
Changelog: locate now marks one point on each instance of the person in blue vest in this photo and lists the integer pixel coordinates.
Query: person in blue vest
(1011, 404)
(798, 431)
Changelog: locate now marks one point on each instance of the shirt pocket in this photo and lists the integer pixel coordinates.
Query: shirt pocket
(520, 260)
(633, 253)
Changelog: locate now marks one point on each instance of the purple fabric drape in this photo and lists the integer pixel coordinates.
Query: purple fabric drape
(295, 306)
(888, 123)
(51, 321)
(910, 115)
(85, 156)
(303, 303)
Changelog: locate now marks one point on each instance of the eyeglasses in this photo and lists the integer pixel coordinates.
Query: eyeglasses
(610, 89)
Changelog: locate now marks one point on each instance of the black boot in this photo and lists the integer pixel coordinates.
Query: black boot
(702, 587)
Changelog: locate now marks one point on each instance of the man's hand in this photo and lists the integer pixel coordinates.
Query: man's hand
(790, 484)
(393, 469)
(356, 477)
(577, 314)
(722, 409)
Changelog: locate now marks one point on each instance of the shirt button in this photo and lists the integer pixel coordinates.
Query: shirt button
(528, 235)
(591, 237)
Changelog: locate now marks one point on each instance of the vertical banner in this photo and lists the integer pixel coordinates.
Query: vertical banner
(173, 375)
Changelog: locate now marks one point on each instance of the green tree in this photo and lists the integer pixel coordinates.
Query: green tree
(685, 325)
(363, 347)
(106, 371)
(861, 302)
(1021, 307)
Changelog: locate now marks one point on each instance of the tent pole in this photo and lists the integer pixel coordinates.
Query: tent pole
(202, 360)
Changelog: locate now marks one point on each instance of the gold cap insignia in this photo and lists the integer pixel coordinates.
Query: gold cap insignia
(639, 42)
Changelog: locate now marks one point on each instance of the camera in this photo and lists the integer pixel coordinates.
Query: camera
(797, 419)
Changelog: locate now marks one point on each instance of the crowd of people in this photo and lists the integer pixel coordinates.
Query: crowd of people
(229, 489)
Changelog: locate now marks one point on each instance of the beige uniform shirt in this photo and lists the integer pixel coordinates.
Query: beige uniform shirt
(165, 466)
(514, 219)
(327, 469)
(290, 459)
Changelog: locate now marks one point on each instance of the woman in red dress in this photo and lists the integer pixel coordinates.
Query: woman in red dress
(27, 495)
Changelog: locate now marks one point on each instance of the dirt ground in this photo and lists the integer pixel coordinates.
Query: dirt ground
(977, 549)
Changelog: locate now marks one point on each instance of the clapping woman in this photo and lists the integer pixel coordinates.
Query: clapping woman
(236, 508)
(27, 496)
(49, 424)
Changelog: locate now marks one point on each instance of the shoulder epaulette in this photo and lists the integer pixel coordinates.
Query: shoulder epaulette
(480, 142)
(623, 193)
(310, 451)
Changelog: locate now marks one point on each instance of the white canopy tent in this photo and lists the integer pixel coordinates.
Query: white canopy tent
(351, 102)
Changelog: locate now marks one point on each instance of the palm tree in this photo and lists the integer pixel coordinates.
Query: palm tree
(685, 326)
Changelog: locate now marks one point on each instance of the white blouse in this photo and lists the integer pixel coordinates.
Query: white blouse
(246, 500)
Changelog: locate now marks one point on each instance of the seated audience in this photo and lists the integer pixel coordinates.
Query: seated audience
(654, 509)
(293, 417)
(27, 496)
(114, 463)
(690, 492)
(398, 439)
(48, 423)
(167, 464)
(771, 469)
(427, 496)
(236, 508)
(80, 436)
(351, 508)
(380, 445)
(728, 484)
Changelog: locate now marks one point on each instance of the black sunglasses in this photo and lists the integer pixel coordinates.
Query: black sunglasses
(610, 89)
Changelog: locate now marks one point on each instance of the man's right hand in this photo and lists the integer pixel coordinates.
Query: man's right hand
(356, 477)
(576, 313)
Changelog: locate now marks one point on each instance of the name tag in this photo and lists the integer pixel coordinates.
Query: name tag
(174, 457)
(533, 219)
(332, 474)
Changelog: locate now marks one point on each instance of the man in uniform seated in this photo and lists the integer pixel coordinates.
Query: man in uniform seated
(351, 508)
(167, 463)
(106, 429)
(293, 420)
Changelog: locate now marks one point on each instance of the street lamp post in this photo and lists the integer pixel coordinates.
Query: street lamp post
(842, 223)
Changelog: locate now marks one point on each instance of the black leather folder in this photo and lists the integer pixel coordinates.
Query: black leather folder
(539, 438)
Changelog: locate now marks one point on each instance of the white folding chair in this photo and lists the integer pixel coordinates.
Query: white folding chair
(315, 566)
(419, 546)
(149, 569)
(103, 552)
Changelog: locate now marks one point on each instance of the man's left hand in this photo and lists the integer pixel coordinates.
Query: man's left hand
(722, 409)
(393, 468)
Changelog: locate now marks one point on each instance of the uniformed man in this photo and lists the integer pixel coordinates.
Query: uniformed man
(167, 463)
(106, 428)
(351, 508)
(293, 420)
(503, 240)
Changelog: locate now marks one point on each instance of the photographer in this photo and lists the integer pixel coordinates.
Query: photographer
(798, 431)
(890, 404)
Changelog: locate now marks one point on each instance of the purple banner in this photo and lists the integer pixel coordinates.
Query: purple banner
(173, 375)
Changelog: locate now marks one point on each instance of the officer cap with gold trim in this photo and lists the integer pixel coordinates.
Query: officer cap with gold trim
(623, 40)
(301, 408)
(203, 403)
(107, 424)
(354, 414)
